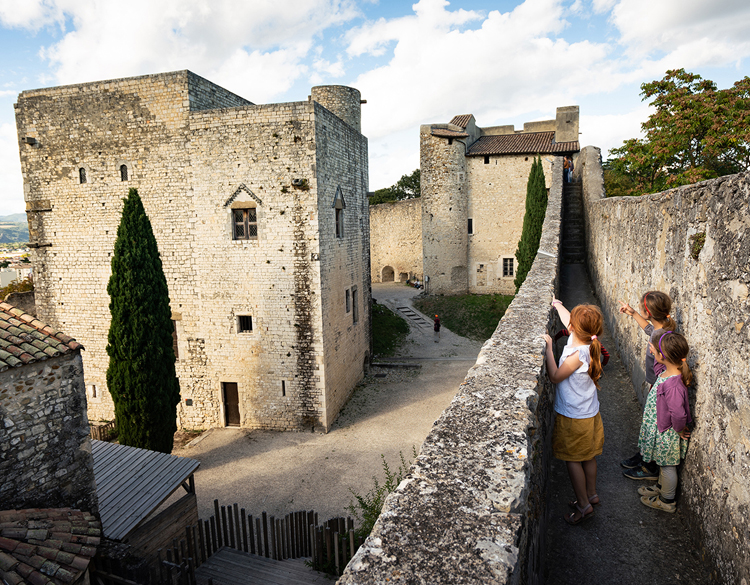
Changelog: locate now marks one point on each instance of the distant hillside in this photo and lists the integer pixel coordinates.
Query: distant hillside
(13, 228)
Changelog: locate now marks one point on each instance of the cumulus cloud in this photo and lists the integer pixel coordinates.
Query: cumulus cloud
(609, 131)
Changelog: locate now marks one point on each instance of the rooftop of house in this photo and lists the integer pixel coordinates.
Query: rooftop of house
(24, 339)
(46, 546)
(525, 143)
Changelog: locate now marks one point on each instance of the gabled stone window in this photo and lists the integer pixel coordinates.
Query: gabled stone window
(339, 205)
(245, 223)
(123, 172)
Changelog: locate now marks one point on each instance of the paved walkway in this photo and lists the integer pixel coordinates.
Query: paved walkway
(285, 472)
(625, 542)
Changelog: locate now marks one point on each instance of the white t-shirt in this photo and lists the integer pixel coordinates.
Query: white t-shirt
(576, 396)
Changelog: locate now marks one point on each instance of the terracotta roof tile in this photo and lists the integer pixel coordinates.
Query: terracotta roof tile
(446, 133)
(34, 548)
(24, 339)
(530, 143)
(462, 120)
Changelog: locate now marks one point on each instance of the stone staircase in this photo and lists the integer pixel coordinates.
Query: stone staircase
(573, 235)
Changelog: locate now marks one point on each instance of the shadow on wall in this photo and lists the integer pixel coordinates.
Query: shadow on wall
(692, 243)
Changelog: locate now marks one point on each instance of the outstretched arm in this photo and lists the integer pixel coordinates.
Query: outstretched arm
(570, 365)
(562, 311)
(628, 310)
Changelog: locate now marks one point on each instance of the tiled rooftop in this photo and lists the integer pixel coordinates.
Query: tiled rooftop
(531, 143)
(45, 546)
(446, 133)
(462, 120)
(24, 339)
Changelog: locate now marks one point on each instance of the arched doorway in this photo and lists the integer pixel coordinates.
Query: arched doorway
(387, 274)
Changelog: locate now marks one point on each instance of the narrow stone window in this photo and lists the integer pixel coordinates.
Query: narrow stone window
(486, 160)
(471, 226)
(338, 206)
(245, 224)
(244, 324)
(93, 390)
(339, 223)
(283, 388)
(123, 172)
(82, 175)
(174, 340)
(450, 141)
(507, 266)
(348, 298)
(355, 307)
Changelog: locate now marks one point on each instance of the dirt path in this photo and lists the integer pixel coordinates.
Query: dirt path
(284, 472)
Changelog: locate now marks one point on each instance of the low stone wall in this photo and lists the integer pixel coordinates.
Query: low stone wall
(396, 239)
(652, 242)
(46, 453)
(472, 508)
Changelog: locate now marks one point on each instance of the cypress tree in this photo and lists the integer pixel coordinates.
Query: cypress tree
(141, 375)
(536, 208)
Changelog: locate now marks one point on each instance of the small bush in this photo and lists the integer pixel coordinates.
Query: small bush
(697, 241)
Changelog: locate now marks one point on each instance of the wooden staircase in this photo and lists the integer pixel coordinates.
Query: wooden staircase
(229, 566)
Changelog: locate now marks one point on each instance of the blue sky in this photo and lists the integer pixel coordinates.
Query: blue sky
(503, 61)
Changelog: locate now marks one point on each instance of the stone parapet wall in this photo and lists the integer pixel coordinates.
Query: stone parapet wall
(636, 244)
(204, 95)
(472, 508)
(396, 239)
(46, 452)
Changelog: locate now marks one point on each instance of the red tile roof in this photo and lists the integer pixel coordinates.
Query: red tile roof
(531, 143)
(462, 120)
(46, 546)
(24, 339)
(446, 133)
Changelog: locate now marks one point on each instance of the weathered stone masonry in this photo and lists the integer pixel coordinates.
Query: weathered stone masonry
(636, 244)
(197, 154)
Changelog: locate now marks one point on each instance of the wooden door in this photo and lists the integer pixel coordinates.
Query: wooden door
(231, 404)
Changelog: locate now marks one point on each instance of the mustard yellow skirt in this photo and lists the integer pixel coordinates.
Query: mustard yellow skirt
(577, 439)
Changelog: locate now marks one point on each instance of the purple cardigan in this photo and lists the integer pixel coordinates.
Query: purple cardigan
(672, 407)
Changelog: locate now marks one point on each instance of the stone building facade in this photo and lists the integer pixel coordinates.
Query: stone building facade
(474, 197)
(44, 433)
(396, 240)
(260, 215)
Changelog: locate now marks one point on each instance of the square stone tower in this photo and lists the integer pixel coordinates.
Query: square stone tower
(261, 217)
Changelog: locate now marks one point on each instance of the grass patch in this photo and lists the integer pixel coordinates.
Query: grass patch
(388, 330)
(472, 316)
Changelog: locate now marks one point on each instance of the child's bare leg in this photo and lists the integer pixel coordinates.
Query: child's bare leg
(578, 479)
(589, 469)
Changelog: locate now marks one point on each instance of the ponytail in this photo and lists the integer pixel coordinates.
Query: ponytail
(687, 375)
(595, 367)
(674, 348)
(669, 323)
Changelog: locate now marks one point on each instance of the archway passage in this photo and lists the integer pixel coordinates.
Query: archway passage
(387, 275)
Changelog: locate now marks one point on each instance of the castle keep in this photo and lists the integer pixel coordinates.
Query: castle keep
(472, 204)
(260, 213)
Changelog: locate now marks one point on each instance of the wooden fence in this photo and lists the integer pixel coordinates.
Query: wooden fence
(330, 545)
(105, 432)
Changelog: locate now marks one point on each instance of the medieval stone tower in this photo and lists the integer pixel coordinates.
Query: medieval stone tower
(474, 195)
(261, 217)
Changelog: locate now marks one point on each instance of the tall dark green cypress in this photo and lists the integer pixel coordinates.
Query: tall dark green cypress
(141, 375)
(536, 208)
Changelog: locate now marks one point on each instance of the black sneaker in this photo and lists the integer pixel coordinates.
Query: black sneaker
(640, 473)
(634, 461)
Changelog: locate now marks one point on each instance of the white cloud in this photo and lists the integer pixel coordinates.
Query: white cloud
(695, 31)
(611, 130)
(30, 14)
(11, 198)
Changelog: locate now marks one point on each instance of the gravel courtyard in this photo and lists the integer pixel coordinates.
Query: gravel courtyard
(283, 472)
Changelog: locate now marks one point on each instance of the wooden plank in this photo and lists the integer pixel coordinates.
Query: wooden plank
(230, 526)
(251, 534)
(232, 567)
(243, 516)
(237, 526)
(265, 536)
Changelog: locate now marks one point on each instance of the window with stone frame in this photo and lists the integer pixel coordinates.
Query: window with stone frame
(348, 300)
(355, 307)
(244, 324)
(245, 223)
(123, 172)
(82, 175)
(339, 205)
(508, 269)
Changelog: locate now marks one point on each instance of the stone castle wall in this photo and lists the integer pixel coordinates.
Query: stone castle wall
(472, 508)
(46, 452)
(497, 204)
(636, 244)
(444, 213)
(396, 240)
(342, 101)
(192, 165)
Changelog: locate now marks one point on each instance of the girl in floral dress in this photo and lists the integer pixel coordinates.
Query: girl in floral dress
(664, 432)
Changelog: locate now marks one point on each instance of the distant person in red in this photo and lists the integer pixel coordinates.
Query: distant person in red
(436, 328)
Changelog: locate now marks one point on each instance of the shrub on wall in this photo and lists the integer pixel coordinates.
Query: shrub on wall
(141, 375)
(536, 208)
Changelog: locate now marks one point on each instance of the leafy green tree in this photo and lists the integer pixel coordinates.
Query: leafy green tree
(141, 374)
(536, 208)
(407, 187)
(696, 133)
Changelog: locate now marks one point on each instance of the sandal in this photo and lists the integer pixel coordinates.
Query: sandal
(569, 518)
(574, 504)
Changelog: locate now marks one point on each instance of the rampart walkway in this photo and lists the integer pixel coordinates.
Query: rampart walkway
(625, 542)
